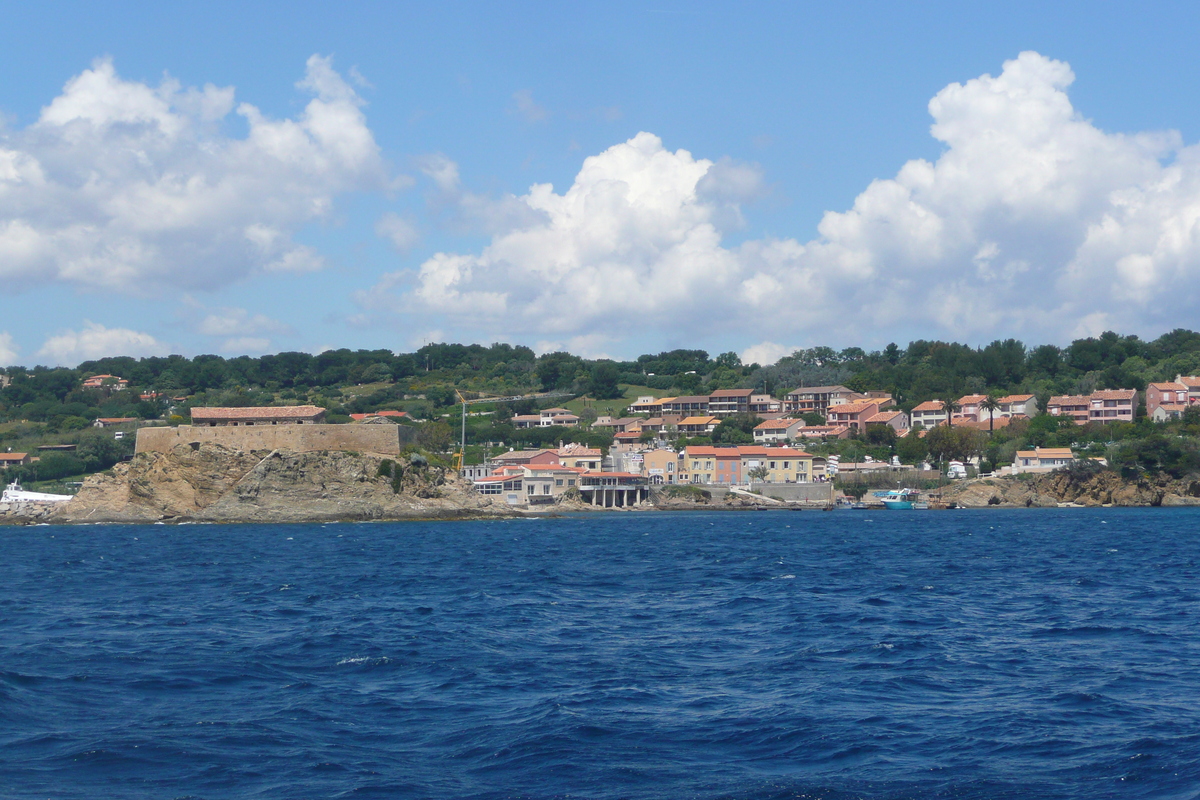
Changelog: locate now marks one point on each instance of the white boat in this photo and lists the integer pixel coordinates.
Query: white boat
(901, 499)
(15, 494)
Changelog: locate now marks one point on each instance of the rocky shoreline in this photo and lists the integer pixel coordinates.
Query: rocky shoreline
(213, 483)
(1101, 488)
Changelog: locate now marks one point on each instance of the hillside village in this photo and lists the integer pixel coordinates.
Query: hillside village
(561, 425)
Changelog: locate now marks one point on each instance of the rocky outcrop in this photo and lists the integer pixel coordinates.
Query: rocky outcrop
(1065, 487)
(213, 483)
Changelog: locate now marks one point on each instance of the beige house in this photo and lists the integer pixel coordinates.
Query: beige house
(1042, 459)
(698, 426)
(896, 420)
(782, 464)
(661, 466)
(931, 413)
(777, 430)
(580, 456)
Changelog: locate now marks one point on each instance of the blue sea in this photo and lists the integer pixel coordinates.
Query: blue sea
(827, 656)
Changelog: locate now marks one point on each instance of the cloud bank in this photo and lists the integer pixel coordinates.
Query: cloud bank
(1032, 222)
(69, 348)
(124, 186)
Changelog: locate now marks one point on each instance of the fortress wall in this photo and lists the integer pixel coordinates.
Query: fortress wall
(379, 439)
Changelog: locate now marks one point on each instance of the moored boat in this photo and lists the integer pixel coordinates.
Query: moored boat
(901, 499)
(15, 494)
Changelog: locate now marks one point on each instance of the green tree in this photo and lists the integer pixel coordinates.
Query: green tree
(435, 436)
(603, 379)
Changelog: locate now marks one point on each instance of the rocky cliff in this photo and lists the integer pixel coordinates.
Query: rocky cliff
(213, 483)
(1101, 488)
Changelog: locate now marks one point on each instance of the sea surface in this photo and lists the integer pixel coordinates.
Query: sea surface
(964, 654)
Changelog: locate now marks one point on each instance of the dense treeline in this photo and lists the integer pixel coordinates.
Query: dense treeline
(49, 404)
(921, 371)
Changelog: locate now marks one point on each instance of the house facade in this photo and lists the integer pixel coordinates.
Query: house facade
(661, 466)
(1174, 396)
(817, 399)
(1042, 459)
(773, 431)
(852, 415)
(930, 414)
(1075, 406)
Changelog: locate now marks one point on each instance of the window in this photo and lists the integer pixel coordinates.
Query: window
(571, 482)
(558, 481)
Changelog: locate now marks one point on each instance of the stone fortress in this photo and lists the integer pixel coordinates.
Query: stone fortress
(299, 429)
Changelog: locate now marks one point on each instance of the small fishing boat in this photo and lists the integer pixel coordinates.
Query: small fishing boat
(901, 499)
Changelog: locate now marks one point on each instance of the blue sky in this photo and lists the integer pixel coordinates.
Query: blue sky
(749, 177)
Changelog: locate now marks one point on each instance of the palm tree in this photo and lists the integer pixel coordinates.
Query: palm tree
(990, 404)
(950, 406)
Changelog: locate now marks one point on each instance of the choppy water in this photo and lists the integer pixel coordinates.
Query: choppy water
(983, 654)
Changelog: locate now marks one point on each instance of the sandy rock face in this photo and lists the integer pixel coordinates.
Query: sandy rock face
(1101, 488)
(216, 484)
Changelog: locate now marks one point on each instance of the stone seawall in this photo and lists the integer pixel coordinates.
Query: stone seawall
(815, 493)
(384, 440)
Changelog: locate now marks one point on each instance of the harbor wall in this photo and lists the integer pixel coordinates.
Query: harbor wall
(817, 493)
(379, 439)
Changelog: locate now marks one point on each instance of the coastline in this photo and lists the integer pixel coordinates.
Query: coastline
(215, 484)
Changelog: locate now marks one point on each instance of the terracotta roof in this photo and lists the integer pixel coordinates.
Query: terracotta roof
(818, 389)
(732, 393)
(1191, 381)
(1016, 398)
(574, 449)
(929, 405)
(1170, 386)
(115, 420)
(809, 431)
(706, 450)
(259, 412)
(514, 455)
(1114, 394)
(1069, 400)
(13, 456)
(884, 416)
(777, 424)
(971, 399)
(774, 452)
(853, 408)
(698, 420)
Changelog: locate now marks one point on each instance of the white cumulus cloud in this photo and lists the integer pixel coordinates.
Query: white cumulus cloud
(765, 353)
(69, 348)
(1032, 222)
(126, 186)
(8, 349)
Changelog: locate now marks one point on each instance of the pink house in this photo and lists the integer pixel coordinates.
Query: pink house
(852, 415)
